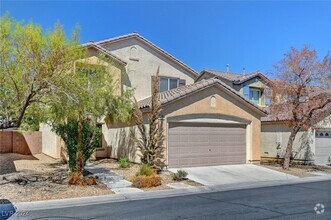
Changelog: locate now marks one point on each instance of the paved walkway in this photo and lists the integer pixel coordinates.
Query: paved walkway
(112, 180)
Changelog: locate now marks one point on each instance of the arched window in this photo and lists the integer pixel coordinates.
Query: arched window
(321, 134)
(134, 53)
(326, 134)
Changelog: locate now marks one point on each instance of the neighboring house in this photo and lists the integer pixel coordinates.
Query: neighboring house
(310, 145)
(253, 86)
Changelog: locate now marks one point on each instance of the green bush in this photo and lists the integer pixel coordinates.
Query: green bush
(91, 140)
(124, 162)
(179, 176)
(145, 170)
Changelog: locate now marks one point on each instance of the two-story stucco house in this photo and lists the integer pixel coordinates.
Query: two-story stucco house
(311, 145)
(211, 118)
(205, 122)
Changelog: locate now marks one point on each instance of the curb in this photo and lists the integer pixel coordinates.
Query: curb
(92, 200)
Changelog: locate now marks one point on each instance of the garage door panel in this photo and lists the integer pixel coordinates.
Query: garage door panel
(323, 147)
(198, 144)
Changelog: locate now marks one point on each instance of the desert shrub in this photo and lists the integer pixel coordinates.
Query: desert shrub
(179, 175)
(124, 162)
(76, 178)
(146, 181)
(91, 140)
(145, 170)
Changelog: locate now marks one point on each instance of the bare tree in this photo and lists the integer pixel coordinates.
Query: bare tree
(301, 95)
(149, 139)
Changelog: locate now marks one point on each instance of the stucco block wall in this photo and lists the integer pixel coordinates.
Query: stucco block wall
(6, 141)
(143, 65)
(226, 105)
(27, 143)
(51, 144)
(274, 138)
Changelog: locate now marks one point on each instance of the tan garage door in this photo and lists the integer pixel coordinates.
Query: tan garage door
(323, 147)
(203, 144)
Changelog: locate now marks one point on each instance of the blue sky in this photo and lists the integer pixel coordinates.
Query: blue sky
(249, 34)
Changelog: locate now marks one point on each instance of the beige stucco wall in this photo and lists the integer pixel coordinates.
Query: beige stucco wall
(141, 67)
(51, 143)
(115, 70)
(274, 138)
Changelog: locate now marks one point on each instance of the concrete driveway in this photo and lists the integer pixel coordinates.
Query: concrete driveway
(232, 174)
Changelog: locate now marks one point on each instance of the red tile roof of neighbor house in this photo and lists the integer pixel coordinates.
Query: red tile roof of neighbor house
(283, 115)
(283, 112)
(236, 78)
(183, 91)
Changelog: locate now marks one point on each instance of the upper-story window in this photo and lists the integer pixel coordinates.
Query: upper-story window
(167, 83)
(255, 95)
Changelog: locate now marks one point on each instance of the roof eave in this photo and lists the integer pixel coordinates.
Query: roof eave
(120, 61)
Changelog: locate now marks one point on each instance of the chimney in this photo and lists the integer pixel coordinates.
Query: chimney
(244, 70)
(227, 68)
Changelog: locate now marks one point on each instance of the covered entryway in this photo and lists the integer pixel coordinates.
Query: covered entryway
(323, 147)
(206, 144)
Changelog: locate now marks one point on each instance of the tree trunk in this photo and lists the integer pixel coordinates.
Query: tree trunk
(288, 152)
(22, 111)
(79, 153)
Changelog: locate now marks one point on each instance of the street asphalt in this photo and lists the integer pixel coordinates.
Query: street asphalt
(295, 201)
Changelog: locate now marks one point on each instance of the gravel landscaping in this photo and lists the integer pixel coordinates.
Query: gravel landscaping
(25, 178)
(300, 170)
(128, 173)
(39, 177)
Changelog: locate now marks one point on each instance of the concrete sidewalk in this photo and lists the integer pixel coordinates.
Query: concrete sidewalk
(62, 203)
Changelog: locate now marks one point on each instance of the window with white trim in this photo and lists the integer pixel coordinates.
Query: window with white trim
(255, 95)
(167, 83)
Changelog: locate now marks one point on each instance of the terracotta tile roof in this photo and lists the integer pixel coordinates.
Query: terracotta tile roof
(180, 92)
(136, 35)
(272, 117)
(235, 78)
(284, 113)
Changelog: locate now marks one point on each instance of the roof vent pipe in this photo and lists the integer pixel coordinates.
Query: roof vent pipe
(244, 70)
(227, 68)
